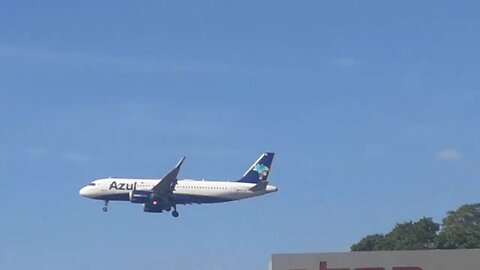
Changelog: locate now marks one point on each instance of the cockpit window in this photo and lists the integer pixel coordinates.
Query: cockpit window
(91, 184)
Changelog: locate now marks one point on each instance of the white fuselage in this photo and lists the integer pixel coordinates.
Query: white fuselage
(186, 191)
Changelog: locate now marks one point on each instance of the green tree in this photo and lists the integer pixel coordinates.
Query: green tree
(461, 228)
(413, 235)
(405, 236)
(371, 243)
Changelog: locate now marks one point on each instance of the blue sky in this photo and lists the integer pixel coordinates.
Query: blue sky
(371, 107)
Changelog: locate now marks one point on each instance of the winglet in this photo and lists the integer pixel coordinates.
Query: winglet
(173, 173)
(179, 164)
(170, 180)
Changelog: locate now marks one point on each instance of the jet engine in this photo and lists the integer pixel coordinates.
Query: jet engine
(139, 196)
(156, 206)
(151, 201)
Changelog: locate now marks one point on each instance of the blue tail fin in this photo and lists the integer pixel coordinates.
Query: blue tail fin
(259, 170)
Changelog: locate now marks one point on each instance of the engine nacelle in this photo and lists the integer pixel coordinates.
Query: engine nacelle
(156, 204)
(139, 196)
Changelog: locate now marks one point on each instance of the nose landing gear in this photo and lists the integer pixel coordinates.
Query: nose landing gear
(105, 209)
(175, 212)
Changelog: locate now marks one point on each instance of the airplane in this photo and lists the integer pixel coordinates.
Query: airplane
(158, 195)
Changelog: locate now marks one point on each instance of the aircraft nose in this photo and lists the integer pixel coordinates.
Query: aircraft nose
(83, 192)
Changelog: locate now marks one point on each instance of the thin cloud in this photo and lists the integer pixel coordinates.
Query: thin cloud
(171, 64)
(448, 155)
(344, 62)
(37, 152)
(112, 61)
(75, 157)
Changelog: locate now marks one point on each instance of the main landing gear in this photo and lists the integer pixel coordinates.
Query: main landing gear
(105, 209)
(175, 212)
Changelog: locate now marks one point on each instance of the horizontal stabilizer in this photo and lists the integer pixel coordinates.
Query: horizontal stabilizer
(260, 186)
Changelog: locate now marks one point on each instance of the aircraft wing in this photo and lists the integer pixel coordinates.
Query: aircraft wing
(168, 183)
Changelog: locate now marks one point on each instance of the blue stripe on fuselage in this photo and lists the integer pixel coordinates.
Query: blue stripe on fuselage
(188, 199)
(113, 197)
(179, 198)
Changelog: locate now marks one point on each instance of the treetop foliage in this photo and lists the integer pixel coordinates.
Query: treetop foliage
(459, 229)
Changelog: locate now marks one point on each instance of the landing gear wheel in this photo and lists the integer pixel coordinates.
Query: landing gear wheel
(175, 212)
(105, 209)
